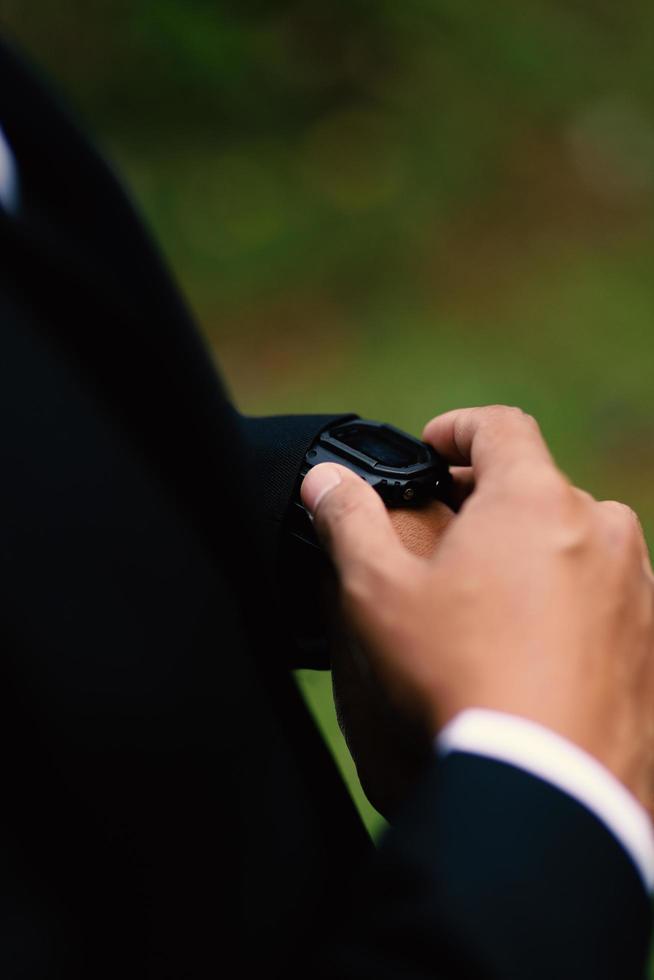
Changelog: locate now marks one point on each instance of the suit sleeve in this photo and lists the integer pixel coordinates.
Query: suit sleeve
(492, 874)
(274, 448)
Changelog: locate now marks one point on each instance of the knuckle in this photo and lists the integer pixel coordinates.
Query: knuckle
(497, 416)
(503, 424)
(511, 414)
(618, 513)
(622, 521)
(629, 516)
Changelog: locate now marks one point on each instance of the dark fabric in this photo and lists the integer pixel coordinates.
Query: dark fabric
(295, 572)
(276, 445)
(273, 443)
(490, 873)
(169, 809)
(167, 800)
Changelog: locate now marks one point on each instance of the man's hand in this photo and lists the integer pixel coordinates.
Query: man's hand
(538, 600)
(390, 749)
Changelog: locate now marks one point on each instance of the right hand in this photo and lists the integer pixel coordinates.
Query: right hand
(539, 601)
(390, 749)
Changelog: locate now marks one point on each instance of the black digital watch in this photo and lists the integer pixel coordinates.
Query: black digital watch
(404, 471)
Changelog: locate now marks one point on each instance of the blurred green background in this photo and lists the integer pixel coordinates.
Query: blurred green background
(395, 207)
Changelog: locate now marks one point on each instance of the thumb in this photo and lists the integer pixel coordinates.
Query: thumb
(352, 522)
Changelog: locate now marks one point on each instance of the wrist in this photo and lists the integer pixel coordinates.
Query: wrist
(420, 530)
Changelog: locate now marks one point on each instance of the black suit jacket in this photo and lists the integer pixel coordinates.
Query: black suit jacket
(168, 807)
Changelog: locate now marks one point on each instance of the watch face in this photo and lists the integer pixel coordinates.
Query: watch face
(381, 445)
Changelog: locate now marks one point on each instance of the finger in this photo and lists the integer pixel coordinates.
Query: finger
(583, 495)
(463, 484)
(624, 520)
(496, 441)
(353, 524)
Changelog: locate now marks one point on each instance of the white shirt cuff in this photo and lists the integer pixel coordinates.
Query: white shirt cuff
(9, 199)
(543, 753)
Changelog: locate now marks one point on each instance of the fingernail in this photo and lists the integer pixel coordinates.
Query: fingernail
(317, 484)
